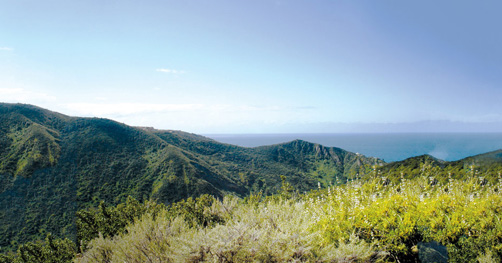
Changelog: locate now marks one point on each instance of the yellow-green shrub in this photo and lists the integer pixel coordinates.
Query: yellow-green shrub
(463, 215)
(269, 231)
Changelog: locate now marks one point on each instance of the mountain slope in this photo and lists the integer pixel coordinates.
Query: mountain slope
(487, 164)
(52, 165)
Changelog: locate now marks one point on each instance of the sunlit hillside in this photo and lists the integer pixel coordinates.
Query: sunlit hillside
(413, 220)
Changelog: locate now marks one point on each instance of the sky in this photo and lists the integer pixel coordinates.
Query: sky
(287, 66)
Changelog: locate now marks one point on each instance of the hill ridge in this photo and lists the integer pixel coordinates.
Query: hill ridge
(52, 164)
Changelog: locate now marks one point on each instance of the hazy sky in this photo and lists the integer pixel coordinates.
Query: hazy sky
(258, 66)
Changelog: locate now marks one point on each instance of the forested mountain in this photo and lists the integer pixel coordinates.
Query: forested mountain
(52, 165)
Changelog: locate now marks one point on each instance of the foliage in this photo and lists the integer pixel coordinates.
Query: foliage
(486, 258)
(29, 148)
(52, 166)
(488, 165)
(361, 221)
(268, 231)
(108, 221)
(462, 215)
(53, 250)
(196, 212)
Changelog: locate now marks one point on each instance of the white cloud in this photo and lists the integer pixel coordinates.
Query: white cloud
(6, 49)
(23, 95)
(10, 91)
(122, 109)
(170, 71)
(191, 117)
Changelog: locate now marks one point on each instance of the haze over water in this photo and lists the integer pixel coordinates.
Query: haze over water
(387, 146)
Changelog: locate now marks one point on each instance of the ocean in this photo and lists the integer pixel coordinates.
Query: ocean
(387, 146)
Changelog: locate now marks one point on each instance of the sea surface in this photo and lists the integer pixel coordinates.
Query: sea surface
(387, 146)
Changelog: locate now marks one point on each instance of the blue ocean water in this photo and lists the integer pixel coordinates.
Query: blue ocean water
(387, 146)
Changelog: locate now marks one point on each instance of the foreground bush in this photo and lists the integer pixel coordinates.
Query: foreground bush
(269, 231)
(53, 250)
(109, 221)
(362, 221)
(464, 216)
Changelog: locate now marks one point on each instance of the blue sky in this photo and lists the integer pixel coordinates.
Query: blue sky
(259, 66)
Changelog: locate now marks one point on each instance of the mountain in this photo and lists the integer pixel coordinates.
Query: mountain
(52, 165)
(487, 165)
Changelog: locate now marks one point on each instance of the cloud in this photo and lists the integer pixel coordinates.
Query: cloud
(11, 91)
(23, 95)
(123, 109)
(439, 152)
(6, 49)
(306, 108)
(192, 117)
(170, 71)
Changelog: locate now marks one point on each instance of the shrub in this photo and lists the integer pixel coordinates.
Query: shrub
(109, 221)
(270, 231)
(462, 215)
(51, 251)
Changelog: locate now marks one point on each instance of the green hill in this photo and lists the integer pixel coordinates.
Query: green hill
(487, 166)
(52, 165)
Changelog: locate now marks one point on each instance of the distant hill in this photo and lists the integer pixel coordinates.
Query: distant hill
(489, 165)
(52, 165)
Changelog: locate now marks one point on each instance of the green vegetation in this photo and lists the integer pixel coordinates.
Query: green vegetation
(361, 221)
(108, 221)
(52, 250)
(267, 231)
(30, 148)
(488, 165)
(53, 165)
(463, 215)
(96, 190)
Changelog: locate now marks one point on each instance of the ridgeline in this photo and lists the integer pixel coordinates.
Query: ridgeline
(52, 165)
